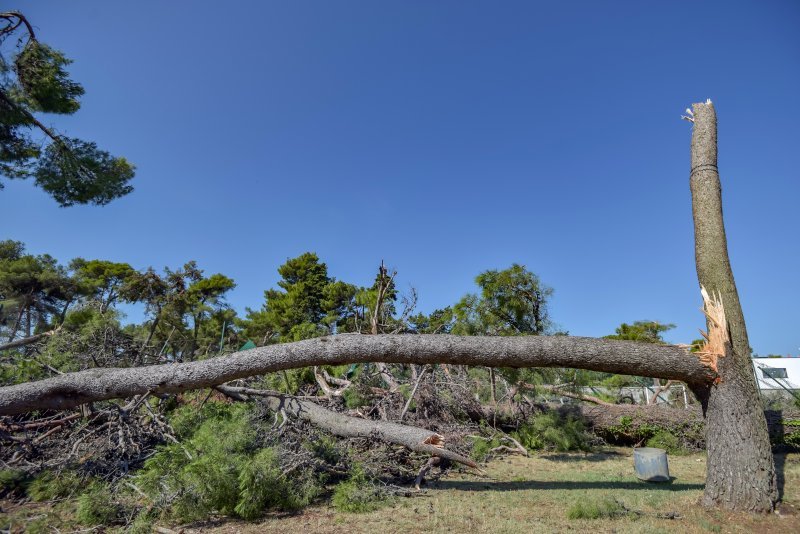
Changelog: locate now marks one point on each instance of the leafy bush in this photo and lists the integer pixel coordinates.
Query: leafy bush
(358, 494)
(598, 508)
(664, 439)
(49, 485)
(95, 506)
(551, 431)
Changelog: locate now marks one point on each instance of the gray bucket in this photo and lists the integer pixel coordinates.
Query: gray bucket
(651, 464)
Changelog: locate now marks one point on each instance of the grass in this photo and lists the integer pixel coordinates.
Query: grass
(536, 494)
(604, 507)
(532, 494)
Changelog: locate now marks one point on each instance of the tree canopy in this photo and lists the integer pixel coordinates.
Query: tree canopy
(33, 81)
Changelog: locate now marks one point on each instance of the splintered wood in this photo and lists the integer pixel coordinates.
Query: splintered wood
(437, 440)
(716, 339)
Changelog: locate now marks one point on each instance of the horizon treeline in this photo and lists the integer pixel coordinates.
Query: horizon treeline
(187, 317)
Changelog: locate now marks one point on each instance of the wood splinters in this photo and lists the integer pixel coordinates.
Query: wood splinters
(437, 440)
(717, 338)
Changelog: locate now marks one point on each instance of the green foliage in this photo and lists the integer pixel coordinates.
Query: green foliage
(71, 170)
(96, 506)
(12, 481)
(289, 381)
(482, 446)
(185, 308)
(680, 437)
(101, 280)
(792, 439)
(219, 467)
(437, 322)
(359, 493)
(642, 331)
(143, 523)
(50, 485)
(264, 486)
(355, 397)
(596, 508)
(307, 304)
(664, 439)
(33, 287)
(552, 431)
(43, 81)
(511, 302)
(325, 448)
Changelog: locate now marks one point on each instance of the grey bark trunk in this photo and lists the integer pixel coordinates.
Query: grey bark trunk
(741, 470)
(611, 356)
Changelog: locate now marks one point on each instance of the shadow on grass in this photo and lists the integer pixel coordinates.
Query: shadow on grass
(479, 485)
(589, 457)
(780, 466)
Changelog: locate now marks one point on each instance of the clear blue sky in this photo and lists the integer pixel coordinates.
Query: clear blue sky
(446, 138)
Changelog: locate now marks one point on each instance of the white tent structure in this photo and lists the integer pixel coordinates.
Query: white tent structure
(778, 374)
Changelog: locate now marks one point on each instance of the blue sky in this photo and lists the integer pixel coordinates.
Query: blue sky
(445, 138)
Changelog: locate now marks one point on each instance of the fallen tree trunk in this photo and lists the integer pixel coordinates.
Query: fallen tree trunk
(611, 356)
(414, 438)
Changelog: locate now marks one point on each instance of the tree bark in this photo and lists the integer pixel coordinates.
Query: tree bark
(611, 356)
(741, 470)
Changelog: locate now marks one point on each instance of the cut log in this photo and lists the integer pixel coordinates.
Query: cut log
(611, 356)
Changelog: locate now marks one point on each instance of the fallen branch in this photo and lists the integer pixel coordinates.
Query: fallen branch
(571, 394)
(414, 438)
(424, 471)
(28, 340)
(413, 392)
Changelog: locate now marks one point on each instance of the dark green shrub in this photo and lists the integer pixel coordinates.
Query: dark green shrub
(551, 431)
(358, 494)
(96, 506)
(597, 508)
